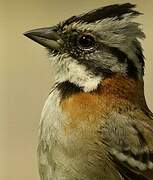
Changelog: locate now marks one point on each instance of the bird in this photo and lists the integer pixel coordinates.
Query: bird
(95, 124)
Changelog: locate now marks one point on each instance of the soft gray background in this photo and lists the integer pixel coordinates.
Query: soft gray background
(26, 77)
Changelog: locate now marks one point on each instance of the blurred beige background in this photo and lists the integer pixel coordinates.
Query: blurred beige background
(25, 75)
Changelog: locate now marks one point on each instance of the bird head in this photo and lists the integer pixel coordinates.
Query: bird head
(87, 48)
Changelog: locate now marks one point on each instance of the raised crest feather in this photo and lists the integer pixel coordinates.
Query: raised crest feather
(117, 10)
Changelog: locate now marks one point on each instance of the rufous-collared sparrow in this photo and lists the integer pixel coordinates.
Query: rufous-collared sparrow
(95, 124)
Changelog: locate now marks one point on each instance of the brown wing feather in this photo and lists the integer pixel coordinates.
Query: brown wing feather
(135, 159)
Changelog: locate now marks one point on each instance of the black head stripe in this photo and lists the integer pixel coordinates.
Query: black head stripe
(69, 21)
(140, 55)
(116, 10)
(122, 57)
(132, 70)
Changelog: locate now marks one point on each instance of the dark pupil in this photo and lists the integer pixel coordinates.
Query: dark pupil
(86, 41)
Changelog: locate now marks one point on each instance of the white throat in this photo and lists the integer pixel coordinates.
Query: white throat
(68, 69)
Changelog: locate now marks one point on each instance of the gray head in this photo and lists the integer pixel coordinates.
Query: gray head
(87, 48)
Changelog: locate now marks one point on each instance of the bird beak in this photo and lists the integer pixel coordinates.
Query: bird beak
(47, 37)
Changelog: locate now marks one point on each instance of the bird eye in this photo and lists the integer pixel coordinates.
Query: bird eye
(86, 41)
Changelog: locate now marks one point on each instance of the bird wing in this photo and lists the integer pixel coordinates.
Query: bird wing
(130, 140)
